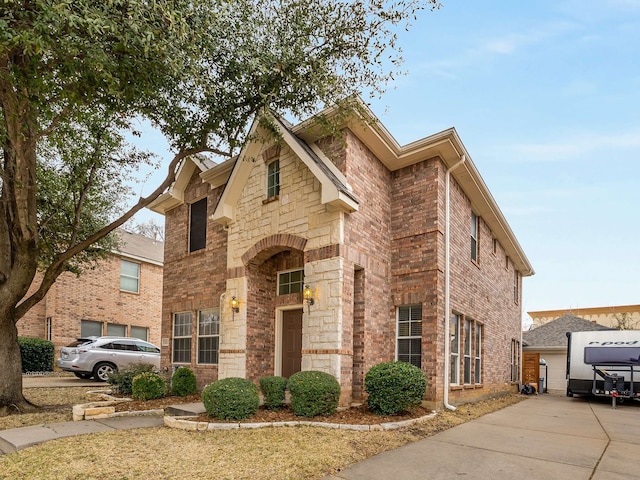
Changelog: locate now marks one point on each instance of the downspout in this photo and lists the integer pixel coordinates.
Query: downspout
(447, 302)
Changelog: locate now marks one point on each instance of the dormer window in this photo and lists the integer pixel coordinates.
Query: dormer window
(273, 179)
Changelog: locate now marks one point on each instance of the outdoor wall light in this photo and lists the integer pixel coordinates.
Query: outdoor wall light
(307, 294)
(234, 303)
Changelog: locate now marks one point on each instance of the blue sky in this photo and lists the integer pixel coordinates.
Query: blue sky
(545, 96)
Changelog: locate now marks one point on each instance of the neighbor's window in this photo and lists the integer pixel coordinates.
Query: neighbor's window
(182, 337)
(290, 282)
(454, 361)
(467, 351)
(409, 335)
(478, 354)
(273, 179)
(140, 332)
(89, 328)
(49, 328)
(198, 225)
(116, 330)
(516, 286)
(208, 335)
(129, 276)
(475, 228)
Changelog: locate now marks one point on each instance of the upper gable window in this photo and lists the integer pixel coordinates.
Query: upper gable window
(198, 225)
(273, 179)
(475, 229)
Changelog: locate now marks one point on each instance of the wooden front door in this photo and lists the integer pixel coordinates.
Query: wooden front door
(531, 368)
(291, 342)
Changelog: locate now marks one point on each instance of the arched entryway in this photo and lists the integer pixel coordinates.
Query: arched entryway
(274, 270)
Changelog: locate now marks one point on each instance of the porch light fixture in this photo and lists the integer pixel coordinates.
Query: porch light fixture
(234, 303)
(307, 294)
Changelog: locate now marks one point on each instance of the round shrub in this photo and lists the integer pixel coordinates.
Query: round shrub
(183, 382)
(313, 393)
(273, 389)
(231, 399)
(148, 386)
(122, 380)
(394, 387)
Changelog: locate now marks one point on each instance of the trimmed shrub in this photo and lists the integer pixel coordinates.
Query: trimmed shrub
(313, 393)
(394, 387)
(122, 380)
(273, 389)
(183, 382)
(148, 386)
(37, 354)
(231, 399)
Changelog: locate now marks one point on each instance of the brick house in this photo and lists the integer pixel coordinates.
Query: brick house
(361, 222)
(121, 296)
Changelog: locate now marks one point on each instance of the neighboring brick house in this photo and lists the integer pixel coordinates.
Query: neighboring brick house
(121, 296)
(623, 317)
(361, 221)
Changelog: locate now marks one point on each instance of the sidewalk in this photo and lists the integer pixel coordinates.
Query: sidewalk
(19, 438)
(545, 437)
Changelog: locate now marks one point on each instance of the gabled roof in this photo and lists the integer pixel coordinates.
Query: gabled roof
(554, 333)
(139, 247)
(334, 188)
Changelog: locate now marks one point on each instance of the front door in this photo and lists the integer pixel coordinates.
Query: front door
(291, 342)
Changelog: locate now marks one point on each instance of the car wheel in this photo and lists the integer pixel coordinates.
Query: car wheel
(83, 376)
(102, 370)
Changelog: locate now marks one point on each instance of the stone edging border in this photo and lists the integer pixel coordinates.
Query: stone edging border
(184, 424)
(105, 408)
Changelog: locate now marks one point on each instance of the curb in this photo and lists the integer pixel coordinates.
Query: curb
(191, 425)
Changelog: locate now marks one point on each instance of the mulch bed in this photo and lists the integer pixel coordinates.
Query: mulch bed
(358, 415)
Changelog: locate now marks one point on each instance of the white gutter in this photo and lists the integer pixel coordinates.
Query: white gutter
(447, 302)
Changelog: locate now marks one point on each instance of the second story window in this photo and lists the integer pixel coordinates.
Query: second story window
(273, 179)
(198, 225)
(129, 276)
(475, 229)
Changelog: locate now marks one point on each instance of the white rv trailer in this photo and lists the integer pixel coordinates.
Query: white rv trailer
(604, 363)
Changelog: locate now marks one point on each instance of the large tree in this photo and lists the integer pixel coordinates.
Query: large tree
(76, 76)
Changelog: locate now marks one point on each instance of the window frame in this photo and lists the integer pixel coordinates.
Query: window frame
(92, 322)
(282, 273)
(185, 337)
(198, 225)
(477, 374)
(117, 326)
(126, 276)
(146, 331)
(411, 334)
(215, 352)
(516, 286)
(475, 237)
(273, 178)
(467, 350)
(515, 360)
(454, 356)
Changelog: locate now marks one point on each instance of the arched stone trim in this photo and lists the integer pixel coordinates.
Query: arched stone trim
(271, 245)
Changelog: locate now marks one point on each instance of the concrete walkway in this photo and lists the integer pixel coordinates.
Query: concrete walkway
(545, 437)
(19, 438)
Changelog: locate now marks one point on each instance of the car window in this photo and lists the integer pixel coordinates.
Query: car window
(147, 347)
(81, 341)
(125, 345)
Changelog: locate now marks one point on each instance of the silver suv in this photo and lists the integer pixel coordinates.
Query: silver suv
(97, 357)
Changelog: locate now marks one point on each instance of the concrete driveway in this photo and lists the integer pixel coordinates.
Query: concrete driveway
(545, 437)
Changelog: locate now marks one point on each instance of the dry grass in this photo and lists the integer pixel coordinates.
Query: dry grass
(268, 453)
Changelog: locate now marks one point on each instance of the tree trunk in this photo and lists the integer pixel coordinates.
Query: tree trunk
(11, 398)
